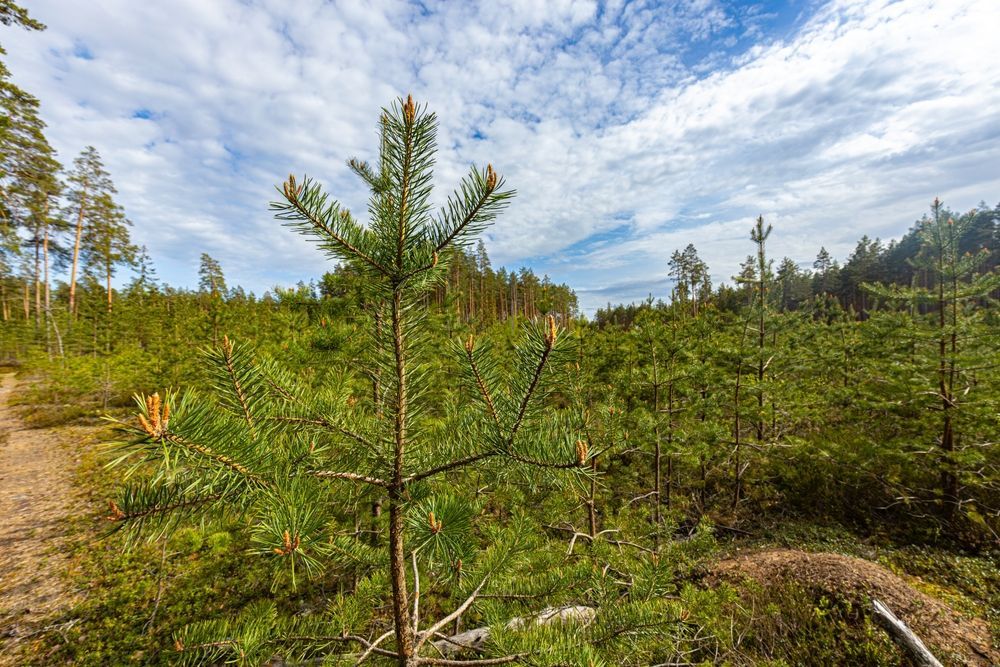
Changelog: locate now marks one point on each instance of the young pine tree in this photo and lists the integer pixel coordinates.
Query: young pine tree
(958, 282)
(212, 283)
(285, 457)
(756, 275)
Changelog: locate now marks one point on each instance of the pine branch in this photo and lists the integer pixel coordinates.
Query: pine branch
(293, 194)
(316, 639)
(452, 465)
(427, 634)
(544, 464)
(505, 660)
(483, 390)
(117, 514)
(426, 267)
(550, 338)
(354, 477)
(227, 355)
(478, 201)
(207, 452)
(327, 424)
(374, 646)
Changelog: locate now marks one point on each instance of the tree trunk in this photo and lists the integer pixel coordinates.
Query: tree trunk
(397, 559)
(657, 456)
(48, 312)
(45, 256)
(38, 277)
(397, 571)
(108, 274)
(76, 253)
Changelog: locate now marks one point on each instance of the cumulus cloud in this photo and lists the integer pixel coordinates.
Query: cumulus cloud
(629, 129)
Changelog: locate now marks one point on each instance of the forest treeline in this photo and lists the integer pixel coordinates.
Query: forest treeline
(67, 221)
(827, 279)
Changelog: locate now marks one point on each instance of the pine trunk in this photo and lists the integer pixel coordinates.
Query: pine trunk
(45, 262)
(108, 276)
(38, 277)
(76, 253)
(397, 558)
(657, 457)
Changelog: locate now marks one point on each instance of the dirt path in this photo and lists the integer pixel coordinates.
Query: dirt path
(37, 498)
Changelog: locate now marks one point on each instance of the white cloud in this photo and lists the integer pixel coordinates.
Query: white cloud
(627, 121)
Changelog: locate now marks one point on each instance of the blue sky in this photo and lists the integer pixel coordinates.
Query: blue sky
(629, 129)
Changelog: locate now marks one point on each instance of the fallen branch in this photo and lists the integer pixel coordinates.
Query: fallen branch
(904, 637)
(475, 639)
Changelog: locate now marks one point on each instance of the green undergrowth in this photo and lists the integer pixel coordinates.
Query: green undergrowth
(58, 396)
(204, 573)
(967, 581)
(133, 602)
(784, 625)
(970, 584)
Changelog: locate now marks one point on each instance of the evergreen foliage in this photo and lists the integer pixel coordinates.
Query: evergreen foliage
(264, 448)
(420, 444)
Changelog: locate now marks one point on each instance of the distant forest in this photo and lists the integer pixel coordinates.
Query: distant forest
(872, 261)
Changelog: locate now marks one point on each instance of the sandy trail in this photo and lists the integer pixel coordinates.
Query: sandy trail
(37, 499)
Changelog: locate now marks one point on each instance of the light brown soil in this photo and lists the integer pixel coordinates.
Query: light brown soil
(37, 497)
(858, 580)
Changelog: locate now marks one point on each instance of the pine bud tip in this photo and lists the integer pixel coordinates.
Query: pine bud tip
(581, 452)
(116, 512)
(409, 109)
(550, 334)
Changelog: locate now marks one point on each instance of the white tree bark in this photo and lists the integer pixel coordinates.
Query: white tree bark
(475, 639)
(904, 637)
